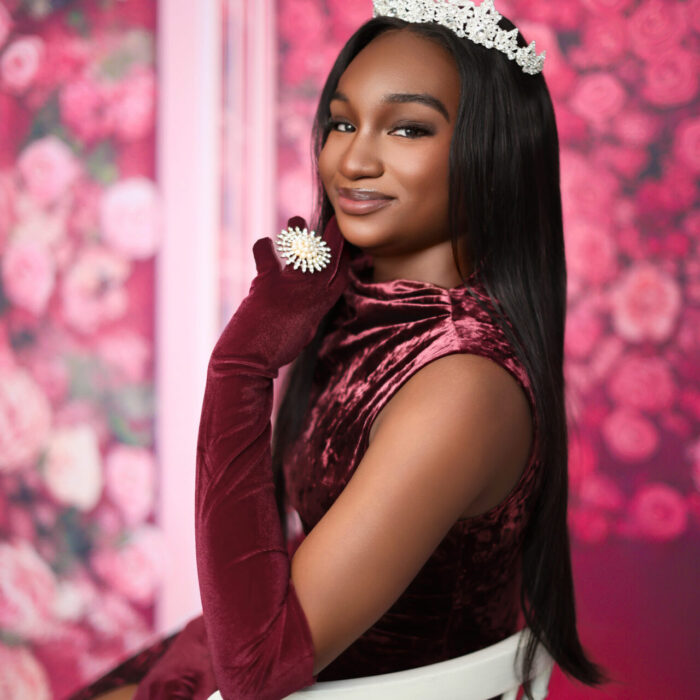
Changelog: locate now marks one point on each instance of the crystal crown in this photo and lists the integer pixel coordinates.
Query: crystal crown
(465, 19)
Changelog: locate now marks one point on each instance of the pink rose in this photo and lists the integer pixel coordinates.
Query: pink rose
(636, 128)
(600, 491)
(590, 251)
(130, 217)
(604, 41)
(628, 161)
(645, 304)
(49, 169)
(588, 525)
(671, 79)
(25, 419)
(113, 618)
(655, 27)
(630, 383)
(27, 590)
(130, 475)
(127, 351)
(583, 330)
(5, 24)
(28, 275)
(687, 143)
(598, 97)
(84, 105)
(93, 289)
(22, 676)
(630, 436)
(659, 512)
(135, 568)
(7, 207)
(20, 63)
(133, 105)
(72, 470)
(587, 189)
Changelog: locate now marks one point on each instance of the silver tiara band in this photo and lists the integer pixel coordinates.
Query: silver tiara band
(466, 20)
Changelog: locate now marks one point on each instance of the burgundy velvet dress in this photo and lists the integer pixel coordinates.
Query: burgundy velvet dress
(466, 596)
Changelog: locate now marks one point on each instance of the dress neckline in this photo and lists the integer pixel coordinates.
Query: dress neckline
(361, 281)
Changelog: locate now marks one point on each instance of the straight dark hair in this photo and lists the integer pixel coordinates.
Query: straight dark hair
(506, 215)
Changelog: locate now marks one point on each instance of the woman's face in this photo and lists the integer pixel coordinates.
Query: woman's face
(385, 163)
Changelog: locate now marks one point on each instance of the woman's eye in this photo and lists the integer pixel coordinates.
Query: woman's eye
(412, 131)
(335, 123)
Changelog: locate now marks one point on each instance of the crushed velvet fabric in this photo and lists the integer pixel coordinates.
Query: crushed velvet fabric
(466, 596)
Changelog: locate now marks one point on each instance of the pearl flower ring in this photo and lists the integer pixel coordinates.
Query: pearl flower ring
(303, 248)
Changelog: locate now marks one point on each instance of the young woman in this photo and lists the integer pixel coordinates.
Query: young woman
(422, 437)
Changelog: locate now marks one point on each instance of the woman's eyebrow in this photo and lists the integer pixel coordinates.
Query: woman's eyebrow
(404, 97)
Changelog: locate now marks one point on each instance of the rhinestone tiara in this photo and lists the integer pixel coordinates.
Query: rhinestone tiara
(465, 19)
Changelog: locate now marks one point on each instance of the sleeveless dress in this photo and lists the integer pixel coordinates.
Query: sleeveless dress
(466, 596)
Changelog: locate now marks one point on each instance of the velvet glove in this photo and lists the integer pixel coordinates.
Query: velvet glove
(258, 636)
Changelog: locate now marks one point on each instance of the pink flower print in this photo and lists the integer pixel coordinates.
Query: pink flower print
(590, 250)
(687, 143)
(25, 419)
(84, 105)
(630, 436)
(130, 217)
(130, 474)
(49, 169)
(126, 351)
(632, 381)
(588, 525)
(5, 24)
(20, 64)
(28, 275)
(655, 27)
(637, 128)
(73, 470)
(671, 79)
(27, 590)
(133, 105)
(604, 41)
(93, 290)
(659, 512)
(598, 97)
(645, 304)
(22, 675)
(583, 330)
(600, 491)
(135, 568)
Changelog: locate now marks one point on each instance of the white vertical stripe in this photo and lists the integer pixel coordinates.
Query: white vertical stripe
(189, 72)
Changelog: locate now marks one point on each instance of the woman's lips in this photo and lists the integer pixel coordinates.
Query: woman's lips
(366, 205)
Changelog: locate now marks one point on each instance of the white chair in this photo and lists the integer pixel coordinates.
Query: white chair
(480, 675)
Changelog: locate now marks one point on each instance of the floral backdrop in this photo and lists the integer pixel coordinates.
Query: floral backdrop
(624, 77)
(79, 227)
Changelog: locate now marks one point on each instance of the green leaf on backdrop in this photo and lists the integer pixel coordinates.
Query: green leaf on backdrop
(99, 163)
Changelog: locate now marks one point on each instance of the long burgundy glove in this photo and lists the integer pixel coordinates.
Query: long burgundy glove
(258, 635)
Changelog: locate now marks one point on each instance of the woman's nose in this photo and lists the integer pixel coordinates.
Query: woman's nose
(361, 158)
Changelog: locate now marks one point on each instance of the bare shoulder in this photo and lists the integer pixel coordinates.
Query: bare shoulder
(474, 408)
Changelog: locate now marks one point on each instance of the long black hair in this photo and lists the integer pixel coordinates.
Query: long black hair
(506, 215)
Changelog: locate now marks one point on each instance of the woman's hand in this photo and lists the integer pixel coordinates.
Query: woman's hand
(284, 306)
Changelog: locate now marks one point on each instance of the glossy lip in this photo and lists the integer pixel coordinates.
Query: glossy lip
(357, 201)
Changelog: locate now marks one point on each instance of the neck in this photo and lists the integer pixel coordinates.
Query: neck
(433, 265)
